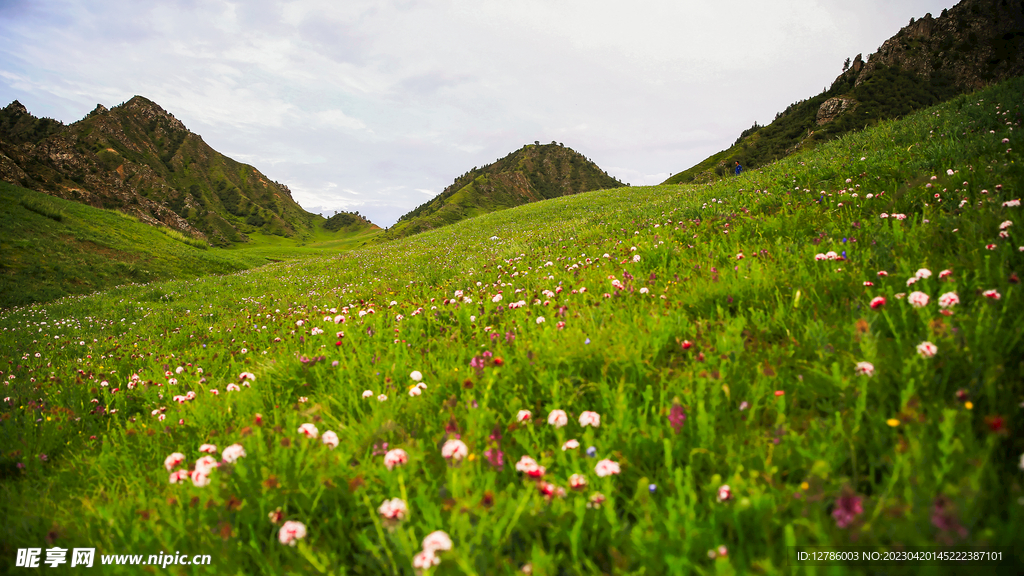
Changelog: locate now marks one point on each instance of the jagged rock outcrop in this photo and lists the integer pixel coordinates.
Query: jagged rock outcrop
(833, 107)
(973, 43)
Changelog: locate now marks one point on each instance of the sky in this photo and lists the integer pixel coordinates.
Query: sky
(376, 105)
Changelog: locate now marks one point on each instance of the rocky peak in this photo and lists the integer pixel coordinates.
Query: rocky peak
(148, 111)
(99, 109)
(16, 108)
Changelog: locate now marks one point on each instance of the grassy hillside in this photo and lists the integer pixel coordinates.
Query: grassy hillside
(50, 248)
(752, 391)
(530, 174)
(138, 159)
(930, 60)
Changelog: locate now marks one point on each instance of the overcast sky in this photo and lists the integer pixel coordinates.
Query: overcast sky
(377, 105)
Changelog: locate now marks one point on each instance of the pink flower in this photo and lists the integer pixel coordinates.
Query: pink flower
(588, 418)
(437, 540)
(395, 457)
(233, 387)
(208, 448)
(558, 418)
(309, 430)
(990, 246)
(868, 283)
(724, 493)
(923, 273)
(927, 349)
(233, 453)
(206, 464)
(883, 273)
(918, 299)
(200, 479)
(577, 481)
(877, 302)
(819, 256)
(173, 460)
(454, 450)
(530, 467)
(570, 445)
(945, 273)
(606, 467)
(596, 499)
(291, 532)
(425, 559)
(865, 368)
(993, 294)
(394, 509)
(367, 393)
(1006, 224)
(247, 376)
(330, 438)
(179, 476)
(847, 508)
(948, 300)
(523, 416)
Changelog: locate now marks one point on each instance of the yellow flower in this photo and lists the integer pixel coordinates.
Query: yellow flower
(969, 405)
(892, 422)
(472, 457)
(804, 485)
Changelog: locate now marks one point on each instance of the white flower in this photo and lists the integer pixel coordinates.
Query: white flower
(558, 418)
(454, 450)
(233, 453)
(540, 320)
(367, 393)
(416, 375)
(309, 431)
(918, 299)
(588, 418)
(438, 540)
(606, 467)
(330, 438)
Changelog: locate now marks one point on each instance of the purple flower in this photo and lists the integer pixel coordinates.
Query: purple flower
(848, 507)
(496, 457)
(676, 416)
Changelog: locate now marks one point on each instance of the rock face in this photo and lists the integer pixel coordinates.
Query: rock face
(139, 159)
(973, 43)
(833, 107)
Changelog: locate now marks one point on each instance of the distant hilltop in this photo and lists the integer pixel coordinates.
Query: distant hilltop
(534, 172)
(139, 159)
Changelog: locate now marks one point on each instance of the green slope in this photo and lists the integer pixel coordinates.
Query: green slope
(139, 159)
(975, 43)
(532, 173)
(50, 247)
(750, 404)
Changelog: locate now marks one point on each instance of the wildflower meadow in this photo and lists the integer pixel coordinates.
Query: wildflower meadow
(825, 351)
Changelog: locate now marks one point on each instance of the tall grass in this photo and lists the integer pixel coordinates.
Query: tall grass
(732, 391)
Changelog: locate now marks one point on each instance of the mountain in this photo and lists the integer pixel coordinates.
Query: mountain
(968, 46)
(139, 159)
(532, 173)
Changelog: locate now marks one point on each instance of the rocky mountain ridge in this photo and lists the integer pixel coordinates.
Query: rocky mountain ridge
(970, 45)
(139, 159)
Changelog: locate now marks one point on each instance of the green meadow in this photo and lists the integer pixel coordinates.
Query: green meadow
(825, 351)
(51, 247)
